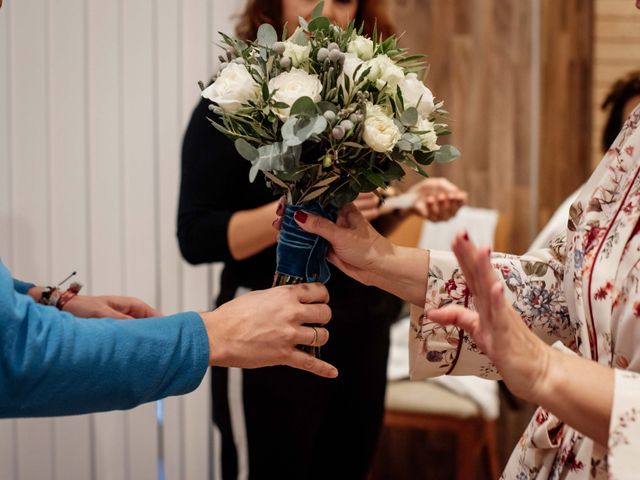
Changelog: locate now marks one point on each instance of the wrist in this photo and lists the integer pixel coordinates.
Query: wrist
(216, 343)
(547, 375)
(36, 293)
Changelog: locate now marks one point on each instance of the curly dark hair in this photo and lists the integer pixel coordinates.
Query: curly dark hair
(621, 92)
(258, 12)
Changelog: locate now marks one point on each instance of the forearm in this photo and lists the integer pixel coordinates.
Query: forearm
(403, 271)
(56, 364)
(579, 392)
(251, 231)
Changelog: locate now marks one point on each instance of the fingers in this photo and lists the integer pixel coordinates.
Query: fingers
(310, 292)
(455, 315)
(465, 251)
(109, 312)
(304, 361)
(318, 225)
(367, 201)
(316, 313)
(312, 336)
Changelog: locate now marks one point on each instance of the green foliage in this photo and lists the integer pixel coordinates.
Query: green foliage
(317, 152)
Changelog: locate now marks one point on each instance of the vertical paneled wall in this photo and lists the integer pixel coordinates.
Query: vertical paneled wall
(94, 99)
(617, 52)
(487, 67)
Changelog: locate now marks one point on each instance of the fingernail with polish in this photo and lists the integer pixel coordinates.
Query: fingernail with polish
(301, 216)
(465, 235)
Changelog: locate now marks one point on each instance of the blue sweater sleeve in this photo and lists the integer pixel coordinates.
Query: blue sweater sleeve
(22, 287)
(52, 363)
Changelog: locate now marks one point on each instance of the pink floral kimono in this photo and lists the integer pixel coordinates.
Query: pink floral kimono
(581, 295)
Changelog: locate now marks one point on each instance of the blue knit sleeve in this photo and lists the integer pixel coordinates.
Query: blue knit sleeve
(52, 363)
(22, 287)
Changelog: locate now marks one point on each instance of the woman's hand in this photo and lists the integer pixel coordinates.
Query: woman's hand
(520, 356)
(262, 328)
(577, 390)
(356, 247)
(109, 306)
(437, 199)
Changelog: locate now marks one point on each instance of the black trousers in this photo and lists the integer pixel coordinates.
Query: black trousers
(300, 426)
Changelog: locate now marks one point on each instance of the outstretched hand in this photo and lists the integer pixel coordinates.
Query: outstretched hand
(437, 199)
(109, 306)
(497, 329)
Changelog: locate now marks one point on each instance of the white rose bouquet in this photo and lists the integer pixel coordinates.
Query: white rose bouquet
(325, 114)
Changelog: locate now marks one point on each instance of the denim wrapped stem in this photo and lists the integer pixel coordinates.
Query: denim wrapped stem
(301, 254)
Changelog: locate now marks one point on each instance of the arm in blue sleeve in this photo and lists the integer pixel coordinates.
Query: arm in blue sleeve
(22, 287)
(52, 363)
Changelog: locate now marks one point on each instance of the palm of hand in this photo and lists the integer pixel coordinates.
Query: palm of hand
(496, 327)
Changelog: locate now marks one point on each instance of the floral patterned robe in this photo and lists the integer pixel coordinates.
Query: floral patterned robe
(581, 295)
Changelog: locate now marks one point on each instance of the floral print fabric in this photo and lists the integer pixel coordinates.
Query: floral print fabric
(581, 295)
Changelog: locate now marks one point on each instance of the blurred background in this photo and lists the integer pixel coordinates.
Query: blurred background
(94, 100)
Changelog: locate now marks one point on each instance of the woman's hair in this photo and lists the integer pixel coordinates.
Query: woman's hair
(258, 12)
(621, 92)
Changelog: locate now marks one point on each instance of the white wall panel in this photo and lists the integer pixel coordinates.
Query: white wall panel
(68, 180)
(94, 100)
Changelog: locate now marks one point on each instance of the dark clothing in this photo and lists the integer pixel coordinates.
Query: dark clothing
(298, 425)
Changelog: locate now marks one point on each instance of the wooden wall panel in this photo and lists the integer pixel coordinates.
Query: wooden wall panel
(616, 51)
(480, 52)
(566, 73)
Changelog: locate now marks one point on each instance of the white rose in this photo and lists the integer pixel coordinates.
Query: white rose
(429, 139)
(293, 85)
(380, 132)
(362, 47)
(297, 53)
(234, 87)
(384, 71)
(416, 94)
(351, 62)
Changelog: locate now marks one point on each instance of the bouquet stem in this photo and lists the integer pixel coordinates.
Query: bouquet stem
(280, 279)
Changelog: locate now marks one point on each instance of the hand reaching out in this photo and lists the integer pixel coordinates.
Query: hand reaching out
(437, 199)
(520, 356)
(109, 306)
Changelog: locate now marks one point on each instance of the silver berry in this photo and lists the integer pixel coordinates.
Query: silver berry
(323, 54)
(329, 116)
(279, 48)
(333, 46)
(285, 63)
(347, 125)
(338, 133)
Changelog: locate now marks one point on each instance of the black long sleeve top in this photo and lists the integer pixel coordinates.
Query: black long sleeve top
(214, 185)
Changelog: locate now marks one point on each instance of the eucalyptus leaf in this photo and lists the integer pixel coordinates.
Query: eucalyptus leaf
(409, 117)
(446, 154)
(424, 158)
(404, 145)
(325, 106)
(269, 158)
(317, 11)
(376, 179)
(303, 23)
(267, 35)
(304, 106)
(298, 130)
(246, 150)
(319, 23)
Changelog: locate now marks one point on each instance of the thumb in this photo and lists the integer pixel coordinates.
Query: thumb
(316, 224)
(455, 315)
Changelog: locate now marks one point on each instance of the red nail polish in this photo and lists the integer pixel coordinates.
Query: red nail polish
(301, 216)
(466, 236)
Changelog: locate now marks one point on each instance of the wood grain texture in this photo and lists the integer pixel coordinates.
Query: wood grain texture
(616, 52)
(481, 65)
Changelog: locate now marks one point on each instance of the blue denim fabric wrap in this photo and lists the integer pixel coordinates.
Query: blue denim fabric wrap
(301, 254)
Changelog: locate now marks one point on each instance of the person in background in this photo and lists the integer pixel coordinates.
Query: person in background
(277, 423)
(619, 102)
